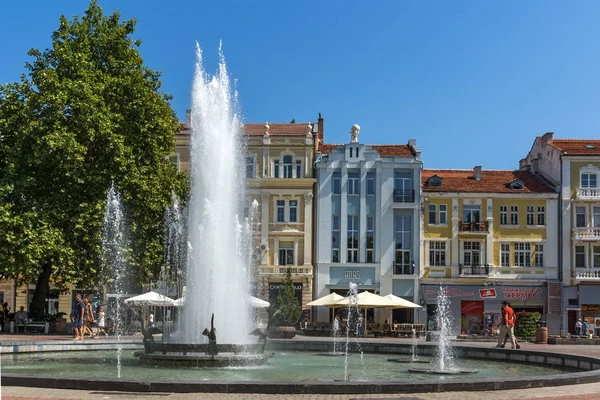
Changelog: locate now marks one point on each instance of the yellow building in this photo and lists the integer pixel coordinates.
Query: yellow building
(489, 236)
(573, 165)
(279, 171)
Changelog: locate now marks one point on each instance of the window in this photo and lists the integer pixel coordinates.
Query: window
(470, 214)
(335, 240)
(286, 253)
(370, 183)
(298, 169)
(287, 166)
(403, 245)
(403, 190)
(275, 168)
(580, 220)
(522, 254)
(541, 215)
(437, 253)
(370, 238)
(337, 183)
(443, 215)
(596, 257)
(503, 215)
(579, 256)
(539, 255)
(588, 181)
(432, 214)
(353, 184)
(280, 210)
(514, 215)
(530, 215)
(596, 217)
(472, 253)
(352, 238)
(293, 210)
(504, 255)
(249, 167)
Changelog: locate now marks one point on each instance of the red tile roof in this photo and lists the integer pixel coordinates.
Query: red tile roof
(298, 128)
(577, 147)
(389, 150)
(254, 129)
(492, 181)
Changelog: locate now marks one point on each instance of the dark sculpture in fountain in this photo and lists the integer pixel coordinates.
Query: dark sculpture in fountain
(212, 348)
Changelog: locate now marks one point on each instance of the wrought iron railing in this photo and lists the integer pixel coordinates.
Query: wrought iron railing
(473, 270)
(404, 196)
(474, 227)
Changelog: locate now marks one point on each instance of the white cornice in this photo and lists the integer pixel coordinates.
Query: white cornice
(472, 195)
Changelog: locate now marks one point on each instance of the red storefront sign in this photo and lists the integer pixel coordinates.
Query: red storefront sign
(471, 307)
(487, 293)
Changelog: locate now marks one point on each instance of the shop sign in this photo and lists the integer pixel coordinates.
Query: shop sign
(453, 291)
(351, 274)
(487, 293)
(590, 307)
(471, 307)
(521, 293)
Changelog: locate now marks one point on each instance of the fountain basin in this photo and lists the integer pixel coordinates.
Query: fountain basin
(300, 355)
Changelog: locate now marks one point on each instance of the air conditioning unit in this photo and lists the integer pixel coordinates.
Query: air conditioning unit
(264, 247)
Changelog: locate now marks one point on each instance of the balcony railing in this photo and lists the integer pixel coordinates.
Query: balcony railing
(473, 270)
(473, 226)
(589, 193)
(586, 233)
(400, 269)
(587, 274)
(282, 270)
(404, 196)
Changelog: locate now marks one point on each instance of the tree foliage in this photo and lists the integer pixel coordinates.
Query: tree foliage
(285, 309)
(86, 113)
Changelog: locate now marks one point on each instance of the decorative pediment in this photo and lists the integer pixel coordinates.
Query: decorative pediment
(287, 229)
(590, 169)
(516, 184)
(435, 181)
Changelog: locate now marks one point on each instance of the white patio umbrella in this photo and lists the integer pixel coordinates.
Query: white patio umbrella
(368, 300)
(150, 299)
(326, 301)
(402, 303)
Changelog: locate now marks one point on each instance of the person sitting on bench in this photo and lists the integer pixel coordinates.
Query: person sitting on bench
(21, 318)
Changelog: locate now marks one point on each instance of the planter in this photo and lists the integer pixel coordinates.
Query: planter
(282, 332)
(61, 326)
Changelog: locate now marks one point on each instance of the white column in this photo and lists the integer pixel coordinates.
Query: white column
(276, 251)
(362, 225)
(455, 244)
(377, 249)
(264, 227)
(490, 236)
(308, 202)
(295, 251)
(416, 238)
(265, 164)
(344, 215)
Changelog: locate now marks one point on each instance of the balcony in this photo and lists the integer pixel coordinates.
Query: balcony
(473, 227)
(473, 270)
(281, 270)
(588, 194)
(586, 233)
(400, 269)
(586, 274)
(404, 196)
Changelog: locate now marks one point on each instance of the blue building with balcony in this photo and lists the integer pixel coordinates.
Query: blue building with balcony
(368, 224)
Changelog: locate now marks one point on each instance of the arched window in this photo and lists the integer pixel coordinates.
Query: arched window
(287, 166)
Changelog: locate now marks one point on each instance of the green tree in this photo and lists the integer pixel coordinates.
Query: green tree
(285, 309)
(86, 113)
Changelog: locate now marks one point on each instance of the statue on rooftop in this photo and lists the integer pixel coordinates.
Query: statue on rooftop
(354, 131)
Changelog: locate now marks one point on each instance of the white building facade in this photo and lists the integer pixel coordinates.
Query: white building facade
(368, 224)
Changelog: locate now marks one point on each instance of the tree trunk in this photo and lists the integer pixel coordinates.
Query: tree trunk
(42, 288)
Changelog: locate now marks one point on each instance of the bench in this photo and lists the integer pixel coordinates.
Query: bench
(45, 325)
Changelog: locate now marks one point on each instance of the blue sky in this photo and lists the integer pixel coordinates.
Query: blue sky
(473, 81)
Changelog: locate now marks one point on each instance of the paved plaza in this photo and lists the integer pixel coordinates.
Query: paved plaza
(579, 392)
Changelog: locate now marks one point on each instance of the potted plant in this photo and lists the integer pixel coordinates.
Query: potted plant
(285, 310)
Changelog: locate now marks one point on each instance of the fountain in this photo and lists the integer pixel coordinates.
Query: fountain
(444, 356)
(113, 250)
(217, 285)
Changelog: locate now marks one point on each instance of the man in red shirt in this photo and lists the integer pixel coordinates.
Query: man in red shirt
(507, 325)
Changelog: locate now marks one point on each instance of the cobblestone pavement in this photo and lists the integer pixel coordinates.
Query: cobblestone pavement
(579, 392)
